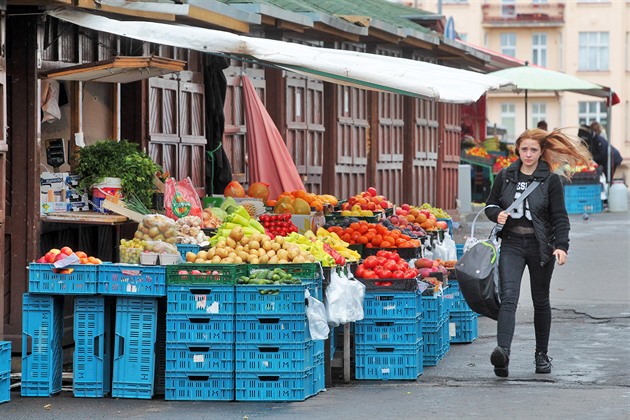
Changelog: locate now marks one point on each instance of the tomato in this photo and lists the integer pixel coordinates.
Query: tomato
(370, 262)
(398, 274)
(369, 274)
(385, 274)
(390, 265)
(360, 271)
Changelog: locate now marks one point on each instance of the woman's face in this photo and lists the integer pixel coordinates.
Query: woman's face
(529, 152)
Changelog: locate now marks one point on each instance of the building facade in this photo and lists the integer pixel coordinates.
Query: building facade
(589, 39)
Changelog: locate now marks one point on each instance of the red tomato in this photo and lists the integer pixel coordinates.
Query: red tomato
(360, 271)
(370, 262)
(398, 274)
(390, 265)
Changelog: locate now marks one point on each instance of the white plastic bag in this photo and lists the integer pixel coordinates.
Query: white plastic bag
(317, 319)
(451, 248)
(344, 299)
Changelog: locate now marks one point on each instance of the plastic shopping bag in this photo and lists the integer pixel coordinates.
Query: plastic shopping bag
(317, 318)
(344, 299)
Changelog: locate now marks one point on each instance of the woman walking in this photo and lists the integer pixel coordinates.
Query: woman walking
(535, 234)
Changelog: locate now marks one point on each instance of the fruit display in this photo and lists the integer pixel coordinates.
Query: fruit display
(257, 248)
(385, 265)
(367, 200)
(336, 243)
(301, 202)
(54, 255)
(157, 227)
(427, 266)
(478, 151)
(413, 230)
(265, 276)
(374, 236)
(503, 162)
(277, 224)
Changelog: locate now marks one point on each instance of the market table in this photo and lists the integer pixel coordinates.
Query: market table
(104, 244)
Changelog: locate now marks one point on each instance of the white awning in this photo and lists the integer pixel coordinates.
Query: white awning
(368, 71)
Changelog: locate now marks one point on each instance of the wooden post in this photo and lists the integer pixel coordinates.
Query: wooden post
(330, 153)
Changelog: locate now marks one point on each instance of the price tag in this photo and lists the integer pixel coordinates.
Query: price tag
(198, 358)
(452, 329)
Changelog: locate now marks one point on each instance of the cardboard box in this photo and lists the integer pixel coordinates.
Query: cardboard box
(59, 193)
(306, 222)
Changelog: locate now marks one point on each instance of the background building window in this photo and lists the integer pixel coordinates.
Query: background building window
(539, 49)
(508, 119)
(539, 1)
(539, 113)
(508, 44)
(592, 111)
(593, 51)
(508, 8)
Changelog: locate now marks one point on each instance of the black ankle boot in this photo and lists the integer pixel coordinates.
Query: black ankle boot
(543, 362)
(500, 359)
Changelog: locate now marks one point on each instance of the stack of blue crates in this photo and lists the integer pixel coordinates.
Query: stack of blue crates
(435, 328)
(464, 321)
(200, 335)
(389, 340)
(92, 347)
(42, 331)
(5, 371)
(134, 347)
(276, 360)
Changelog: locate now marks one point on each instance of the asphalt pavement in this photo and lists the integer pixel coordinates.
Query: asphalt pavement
(590, 347)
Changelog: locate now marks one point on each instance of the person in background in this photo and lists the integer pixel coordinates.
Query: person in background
(542, 124)
(535, 235)
(598, 146)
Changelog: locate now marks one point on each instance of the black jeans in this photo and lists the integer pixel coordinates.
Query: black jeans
(518, 251)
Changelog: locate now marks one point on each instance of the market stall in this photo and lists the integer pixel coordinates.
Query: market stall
(250, 299)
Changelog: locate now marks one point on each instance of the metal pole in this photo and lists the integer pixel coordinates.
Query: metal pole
(526, 109)
(609, 157)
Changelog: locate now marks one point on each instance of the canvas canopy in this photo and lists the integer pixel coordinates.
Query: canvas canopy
(368, 71)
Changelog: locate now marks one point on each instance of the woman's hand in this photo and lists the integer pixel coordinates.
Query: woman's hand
(561, 256)
(502, 218)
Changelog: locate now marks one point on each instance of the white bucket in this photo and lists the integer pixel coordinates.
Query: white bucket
(618, 197)
(107, 187)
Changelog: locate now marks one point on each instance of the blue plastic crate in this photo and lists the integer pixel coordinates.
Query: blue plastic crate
(395, 305)
(463, 327)
(286, 386)
(272, 299)
(271, 328)
(436, 343)
(434, 312)
(181, 386)
(5, 357)
(583, 198)
(185, 248)
(5, 387)
(395, 331)
(132, 280)
(283, 357)
(333, 342)
(454, 298)
(200, 299)
(42, 354)
(82, 280)
(199, 328)
(92, 350)
(134, 345)
(199, 358)
(460, 250)
(320, 377)
(388, 362)
(307, 272)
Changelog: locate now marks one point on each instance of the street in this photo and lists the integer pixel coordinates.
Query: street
(589, 345)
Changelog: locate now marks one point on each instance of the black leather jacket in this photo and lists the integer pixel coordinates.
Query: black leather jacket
(546, 205)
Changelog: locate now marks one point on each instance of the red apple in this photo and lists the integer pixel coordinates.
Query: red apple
(406, 207)
(60, 256)
(372, 191)
(66, 250)
(42, 260)
(441, 224)
(50, 257)
(55, 251)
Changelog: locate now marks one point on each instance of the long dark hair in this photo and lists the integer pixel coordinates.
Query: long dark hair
(559, 150)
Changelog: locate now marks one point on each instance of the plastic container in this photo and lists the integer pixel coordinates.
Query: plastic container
(107, 187)
(618, 197)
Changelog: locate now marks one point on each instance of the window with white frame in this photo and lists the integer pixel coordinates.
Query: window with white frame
(508, 119)
(539, 1)
(508, 8)
(593, 51)
(508, 44)
(539, 112)
(592, 111)
(539, 49)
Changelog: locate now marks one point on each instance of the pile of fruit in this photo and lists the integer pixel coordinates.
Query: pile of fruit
(374, 236)
(54, 255)
(385, 265)
(277, 224)
(368, 200)
(503, 162)
(478, 151)
(301, 202)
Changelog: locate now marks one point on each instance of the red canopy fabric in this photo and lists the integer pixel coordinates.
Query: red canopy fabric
(269, 159)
